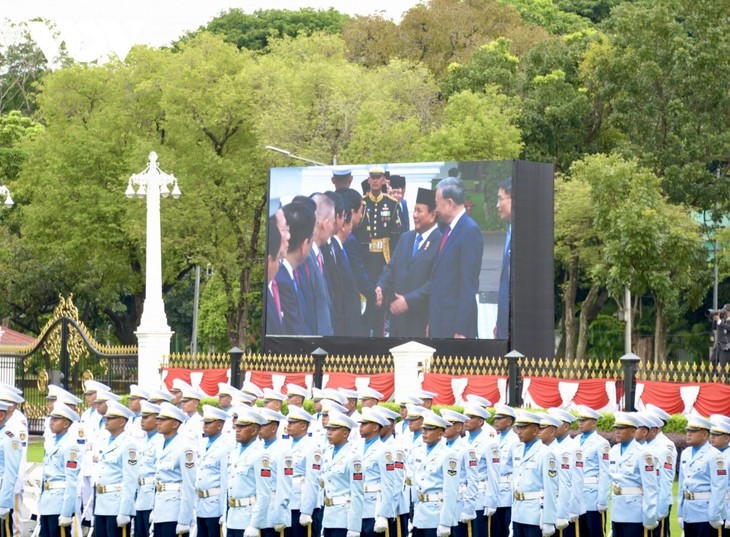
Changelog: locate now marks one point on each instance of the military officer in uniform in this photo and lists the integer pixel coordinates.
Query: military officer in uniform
(720, 440)
(250, 477)
(534, 481)
(307, 465)
(570, 447)
(211, 479)
(645, 435)
(596, 481)
(282, 471)
(148, 450)
(60, 479)
(504, 419)
(118, 473)
(378, 234)
(703, 482)
(379, 467)
(174, 476)
(11, 454)
(16, 423)
(436, 482)
(668, 446)
(565, 461)
(342, 480)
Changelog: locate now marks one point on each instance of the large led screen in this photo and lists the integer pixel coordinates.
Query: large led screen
(380, 254)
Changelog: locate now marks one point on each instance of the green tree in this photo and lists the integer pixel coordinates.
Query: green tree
(22, 64)
(595, 10)
(546, 14)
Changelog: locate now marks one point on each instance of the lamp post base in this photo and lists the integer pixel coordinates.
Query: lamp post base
(153, 345)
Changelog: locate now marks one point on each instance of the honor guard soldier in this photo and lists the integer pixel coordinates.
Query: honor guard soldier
(251, 389)
(645, 435)
(16, 423)
(307, 459)
(157, 397)
(570, 445)
(473, 399)
(398, 525)
(172, 513)
(342, 480)
(720, 440)
(282, 471)
(596, 480)
(504, 419)
(134, 403)
(548, 436)
(211, 479)
(535, 481)
(378, 462)
(274, 400)
(11, 454)
(436, 482)
(413, 452)
(468, 474)
(250, 480)
(369, 397)
(148, 451)
(668, 445)
(703, 482)
(118, 473)
(192, 429)
(295, 395)
(634, 483)
(60, 479)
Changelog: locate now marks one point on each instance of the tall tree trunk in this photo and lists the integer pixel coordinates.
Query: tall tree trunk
(584, 321)
(660, 330)
(570, 289)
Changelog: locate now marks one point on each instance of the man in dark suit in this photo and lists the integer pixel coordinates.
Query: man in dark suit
(300, 219)
(504, 208)
(406, 280)
(397, 191)
(274, 324)
(455, 277)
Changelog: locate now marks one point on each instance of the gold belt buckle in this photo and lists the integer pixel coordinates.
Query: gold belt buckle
(100, 489)
(159, 487)
(328, 501)
(421, 497)
(617, 489)
(519, 496)
(321, 483)
(231, 502)
(689, 495)
(409, 481)
(202, 493)
(46, 485)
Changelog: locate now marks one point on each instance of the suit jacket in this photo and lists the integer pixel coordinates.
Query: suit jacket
(503, 294)
(274, 324)
(455, 282)
(354, 254)
(410, 276)
(352, 324)
(316, 295)
(405, 223)
(291, 305)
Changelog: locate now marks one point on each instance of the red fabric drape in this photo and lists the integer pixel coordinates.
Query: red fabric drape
(592, 393)
(341, 380)
(483, 385)
(262, 379)
(300, 379)
(713, 399)
(211, 378)
(176, 373)
(544, 391)
(384, 383)
(665, 395)
(441, 385)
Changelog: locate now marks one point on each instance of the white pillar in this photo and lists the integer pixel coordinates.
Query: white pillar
(409, 360)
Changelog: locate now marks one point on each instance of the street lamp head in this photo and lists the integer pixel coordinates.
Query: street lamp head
(141, 191)
(164, 191)
(9, 201)
(4, 191)
(176, 191)
(130, 190)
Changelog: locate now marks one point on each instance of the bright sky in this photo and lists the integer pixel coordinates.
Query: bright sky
(97, 28)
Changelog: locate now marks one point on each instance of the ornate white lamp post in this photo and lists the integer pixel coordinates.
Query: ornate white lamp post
(153, 333)
(5, 193)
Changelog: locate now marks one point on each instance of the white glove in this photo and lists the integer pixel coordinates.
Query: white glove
(489, 511)
(548, 530)
(602, 508)
(727, 524)
(152, 518)
(716, 523)
(182, 528)
(251, 532)
(305, 519)
(4, 511)
(353, 533)
(381, 524)
(573, 517)
(222, 520)
(466, 517)
(123, 520)
(561, 524)
(680, 522)
(65, 520)
(279, 527)
(652, 525)
(441, 531)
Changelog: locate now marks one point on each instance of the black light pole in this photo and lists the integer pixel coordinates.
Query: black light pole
(319, 355)
(629, 361)
(235, 353)
(514, 379)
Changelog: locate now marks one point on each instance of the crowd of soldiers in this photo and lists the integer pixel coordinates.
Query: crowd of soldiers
(346, 263)
(158, 466)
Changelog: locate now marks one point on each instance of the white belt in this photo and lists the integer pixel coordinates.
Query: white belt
(426, 498)
(113, 487)
(506, 479)
(482, 485)
(48, 485)
(241, 502)
(462, 489)
(590, 480)
(145, 481)
(297, 479)
(209, 492)
(168, 487)
(631, 491)
(372, 488)
(338, 500)
(728, 496)
(697, 495)
(521, 496)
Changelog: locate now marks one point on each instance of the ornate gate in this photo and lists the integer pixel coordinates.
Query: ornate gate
(65, 354)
